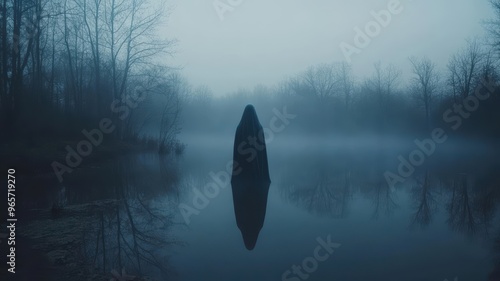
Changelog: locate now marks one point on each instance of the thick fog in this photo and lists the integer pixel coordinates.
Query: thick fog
(250, 140)
(261, 42)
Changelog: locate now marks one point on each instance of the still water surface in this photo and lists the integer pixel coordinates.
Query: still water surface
(440, 223)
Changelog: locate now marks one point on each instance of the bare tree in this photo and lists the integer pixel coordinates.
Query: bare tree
(464, 69)
(384, 81)
(346, 82)
(169, 123)
(294, 86)
(72, 35)
(131, 27)
(321, 80)
(493, 26)
(131, 41)
(19, 27)
(202, 95)
(93, 25)
(425, 83)
(382, 85)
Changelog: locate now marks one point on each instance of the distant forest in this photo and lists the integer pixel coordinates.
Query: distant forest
(68, 64)
(330, 100)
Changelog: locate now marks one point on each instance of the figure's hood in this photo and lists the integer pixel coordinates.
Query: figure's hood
(249, 123)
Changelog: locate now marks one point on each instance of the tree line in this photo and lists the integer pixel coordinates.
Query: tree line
(65, 64)
(329, 98)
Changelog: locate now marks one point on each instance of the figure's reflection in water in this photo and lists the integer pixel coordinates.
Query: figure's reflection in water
(250, 179)
(250, 200)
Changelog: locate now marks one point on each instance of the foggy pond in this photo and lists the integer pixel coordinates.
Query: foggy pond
(437, 224)
(231, 140)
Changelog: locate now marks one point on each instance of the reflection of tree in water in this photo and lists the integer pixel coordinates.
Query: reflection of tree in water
(329, 192)
(323, 194)
(470, 201)
(424, 200)
(472, 204)
(461, 215)
(486, 200)
(495, 273)
(134, 233)
(379, 192)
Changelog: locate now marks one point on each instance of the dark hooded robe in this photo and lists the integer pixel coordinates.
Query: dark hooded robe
(250, 179)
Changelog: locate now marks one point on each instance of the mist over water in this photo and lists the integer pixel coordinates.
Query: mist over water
(235, 140)
(317, 190)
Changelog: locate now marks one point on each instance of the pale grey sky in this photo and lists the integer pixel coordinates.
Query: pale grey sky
(261, 41)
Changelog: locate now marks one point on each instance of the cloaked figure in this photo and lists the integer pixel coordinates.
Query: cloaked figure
(250, 179)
